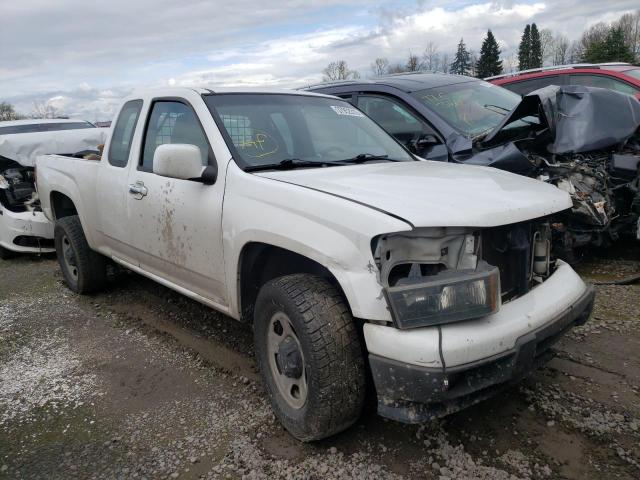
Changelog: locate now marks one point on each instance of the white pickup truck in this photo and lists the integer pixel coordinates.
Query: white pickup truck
(354, 261)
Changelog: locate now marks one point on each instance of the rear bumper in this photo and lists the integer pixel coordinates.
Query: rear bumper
(29, 232)
(415, 393)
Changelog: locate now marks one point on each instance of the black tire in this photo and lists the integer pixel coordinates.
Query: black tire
(6, 254)
(84, 270)
(334, 368)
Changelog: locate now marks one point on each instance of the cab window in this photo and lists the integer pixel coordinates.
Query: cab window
(173, 122)
(123, 133)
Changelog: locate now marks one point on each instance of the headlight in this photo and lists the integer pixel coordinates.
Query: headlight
(450, 296)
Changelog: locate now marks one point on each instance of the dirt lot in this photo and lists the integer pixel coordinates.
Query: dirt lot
(140, 382)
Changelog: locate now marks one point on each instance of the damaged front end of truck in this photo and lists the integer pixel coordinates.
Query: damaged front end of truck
(472, 285)
(585, 141)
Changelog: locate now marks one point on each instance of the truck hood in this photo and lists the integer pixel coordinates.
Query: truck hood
(435, 194)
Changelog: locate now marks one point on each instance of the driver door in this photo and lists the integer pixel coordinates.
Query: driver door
(175, 224)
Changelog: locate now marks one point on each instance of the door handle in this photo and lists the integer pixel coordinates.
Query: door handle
(138, 190)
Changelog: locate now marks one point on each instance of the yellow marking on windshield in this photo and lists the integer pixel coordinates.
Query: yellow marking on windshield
(260, 145)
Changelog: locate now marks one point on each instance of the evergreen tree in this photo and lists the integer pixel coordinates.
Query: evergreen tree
(611, 48)
(489, 62)
(462, 62)
(616, 49)
(535, 55)
(524, 51)
(595, 52)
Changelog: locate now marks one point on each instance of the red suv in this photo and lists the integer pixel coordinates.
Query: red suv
(622, 77)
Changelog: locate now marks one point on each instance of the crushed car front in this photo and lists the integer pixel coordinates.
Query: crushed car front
(23, 225)
(584, 140)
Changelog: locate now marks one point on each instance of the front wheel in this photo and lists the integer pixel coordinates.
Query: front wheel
(84, 270)
(310, 356)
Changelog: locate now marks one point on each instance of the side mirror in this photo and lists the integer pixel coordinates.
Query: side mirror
(178, 160)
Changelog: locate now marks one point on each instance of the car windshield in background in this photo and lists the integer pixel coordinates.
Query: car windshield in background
(289, 130)
(472, 108)
(44, 127)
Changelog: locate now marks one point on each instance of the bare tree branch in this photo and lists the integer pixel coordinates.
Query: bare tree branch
(339, 70)
(380, 66)
(44, 110)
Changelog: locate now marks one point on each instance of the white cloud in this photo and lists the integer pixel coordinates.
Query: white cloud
(161, 42)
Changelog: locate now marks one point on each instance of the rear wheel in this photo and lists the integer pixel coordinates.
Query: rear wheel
(84, 270)
(310, 356)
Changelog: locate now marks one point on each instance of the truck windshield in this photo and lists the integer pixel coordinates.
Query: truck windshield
(471, 108)
(299, 130)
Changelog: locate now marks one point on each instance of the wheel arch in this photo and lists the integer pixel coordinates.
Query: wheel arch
(62, 205)
(261, 262)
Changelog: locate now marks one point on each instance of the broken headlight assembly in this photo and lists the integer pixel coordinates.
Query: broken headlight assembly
(450, 296)
(434, 276)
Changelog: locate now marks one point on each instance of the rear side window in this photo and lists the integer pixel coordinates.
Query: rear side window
(123, 133)
(528, 86)
(175, 122)
(603, 81)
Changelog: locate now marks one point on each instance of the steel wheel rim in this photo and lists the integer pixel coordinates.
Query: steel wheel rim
(293, 390)
(69, 257)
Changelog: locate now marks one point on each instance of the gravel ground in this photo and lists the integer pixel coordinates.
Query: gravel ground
(139, 382)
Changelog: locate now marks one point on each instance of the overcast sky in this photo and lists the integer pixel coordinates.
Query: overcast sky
(83, 56)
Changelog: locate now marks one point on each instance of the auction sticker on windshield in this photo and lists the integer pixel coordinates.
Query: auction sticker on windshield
(349, 111)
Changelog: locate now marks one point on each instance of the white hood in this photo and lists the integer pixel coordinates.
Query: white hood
(435, 194)
(25, 147)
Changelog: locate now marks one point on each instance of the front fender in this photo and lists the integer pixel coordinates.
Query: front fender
(329, 230)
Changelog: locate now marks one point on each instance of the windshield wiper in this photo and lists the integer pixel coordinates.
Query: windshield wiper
(367, 157)
(290, 164)
(503, 112)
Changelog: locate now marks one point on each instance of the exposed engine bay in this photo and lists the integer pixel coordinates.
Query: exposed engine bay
(17, 187)
(605, 190)
(585, 141)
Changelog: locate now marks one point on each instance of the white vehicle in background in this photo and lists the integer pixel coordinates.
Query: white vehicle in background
(295, 212)
(23, 226)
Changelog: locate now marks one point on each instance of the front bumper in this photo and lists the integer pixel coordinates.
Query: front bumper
(422, 388)
(25, 231)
